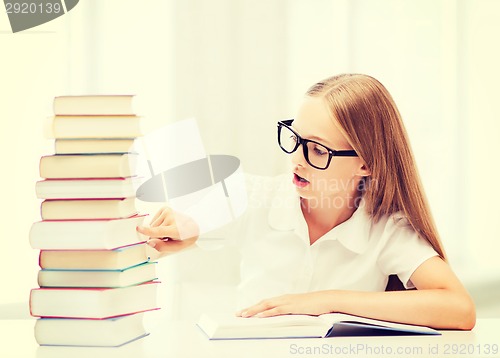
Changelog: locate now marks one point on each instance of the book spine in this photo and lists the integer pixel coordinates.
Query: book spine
(71, 176)
(85, 234)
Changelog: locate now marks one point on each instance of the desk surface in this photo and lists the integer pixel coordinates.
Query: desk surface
(184, 339)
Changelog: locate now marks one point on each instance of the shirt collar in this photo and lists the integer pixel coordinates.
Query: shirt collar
(285, 215)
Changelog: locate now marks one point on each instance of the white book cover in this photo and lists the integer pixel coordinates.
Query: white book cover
(85, 234)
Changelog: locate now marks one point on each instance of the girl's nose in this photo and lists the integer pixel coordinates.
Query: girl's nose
(298, 158)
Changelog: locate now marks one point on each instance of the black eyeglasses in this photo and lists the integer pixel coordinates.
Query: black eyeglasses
(316, 154)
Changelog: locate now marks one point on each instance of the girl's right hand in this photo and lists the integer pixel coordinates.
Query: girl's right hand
(170, 232)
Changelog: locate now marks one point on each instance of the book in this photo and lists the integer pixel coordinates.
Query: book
(94, 146)
(302, 326)
(98, 278)
(109, 208)
(92, 303)
(81, 127)
(89, 188)
(110, 332)
(88, 166)
(115, 259)
(85, 234)
(94, 105)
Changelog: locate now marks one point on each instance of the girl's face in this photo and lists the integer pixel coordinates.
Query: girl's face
(335, 186)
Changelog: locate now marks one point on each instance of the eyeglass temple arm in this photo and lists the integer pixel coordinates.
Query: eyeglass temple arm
(345, 153)
(287, 122)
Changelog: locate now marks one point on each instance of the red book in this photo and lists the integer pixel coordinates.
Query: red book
(92, 303)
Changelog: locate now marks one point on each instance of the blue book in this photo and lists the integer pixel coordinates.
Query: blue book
(130, 276)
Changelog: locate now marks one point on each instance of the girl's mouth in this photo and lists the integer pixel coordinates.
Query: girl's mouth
(299, 181)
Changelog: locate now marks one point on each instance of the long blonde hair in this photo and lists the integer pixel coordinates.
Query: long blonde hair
(365, 112)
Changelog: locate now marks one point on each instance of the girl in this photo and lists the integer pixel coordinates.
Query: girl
(356, 215)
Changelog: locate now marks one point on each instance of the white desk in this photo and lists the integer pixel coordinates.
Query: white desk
(184, 339)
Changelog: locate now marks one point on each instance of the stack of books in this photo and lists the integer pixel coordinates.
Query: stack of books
(96, 280)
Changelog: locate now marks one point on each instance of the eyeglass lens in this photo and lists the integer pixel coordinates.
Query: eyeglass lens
(316, 154)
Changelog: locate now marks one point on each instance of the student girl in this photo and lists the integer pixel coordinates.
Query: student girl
(351, 213)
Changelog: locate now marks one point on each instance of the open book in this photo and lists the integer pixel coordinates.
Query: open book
(217, 326)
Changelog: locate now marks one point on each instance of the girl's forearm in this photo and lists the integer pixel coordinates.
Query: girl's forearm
(438, 308)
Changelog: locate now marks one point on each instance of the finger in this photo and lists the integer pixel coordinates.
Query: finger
(158, 232)
(154, 243)
(158, 244)
(243, 312)
(142, 229)
(157, 222)
(256, 309)
(276, 311)
(159, 213)
(160, 219)
(166, 220)
(169, 246)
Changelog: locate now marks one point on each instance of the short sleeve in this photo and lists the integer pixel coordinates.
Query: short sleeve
(403, 251)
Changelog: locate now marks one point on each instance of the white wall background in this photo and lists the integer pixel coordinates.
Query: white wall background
(238, 66)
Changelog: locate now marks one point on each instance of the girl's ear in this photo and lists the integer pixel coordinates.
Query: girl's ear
(363, 171)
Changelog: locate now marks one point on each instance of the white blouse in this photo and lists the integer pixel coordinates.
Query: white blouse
(359, 254)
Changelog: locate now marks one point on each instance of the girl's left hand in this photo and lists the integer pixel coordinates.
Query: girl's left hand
(311, 303)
